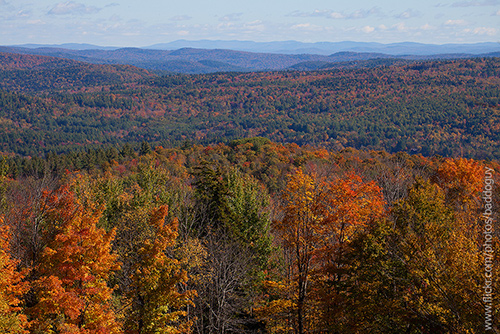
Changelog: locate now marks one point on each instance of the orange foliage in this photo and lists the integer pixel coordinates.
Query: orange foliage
(11, 288)
(73, 296)
(348, 205)
(320, 219)
(462, 179)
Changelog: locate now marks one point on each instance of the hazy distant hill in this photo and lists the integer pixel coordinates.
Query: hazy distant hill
(327, 48)
(277, 55)
(70, 46)
(187, 60)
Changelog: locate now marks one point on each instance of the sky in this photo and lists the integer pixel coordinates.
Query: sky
(140, 23)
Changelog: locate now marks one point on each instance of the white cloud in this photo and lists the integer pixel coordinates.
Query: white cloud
(231, 17)
(301, 25)
(331, 14)
(455, 23)
(336, 15)
(307, 27)
(409, 14)
(361, 14)
(256, 25)
(400, 26)
(14, 14)
(497, 13)
(484, 31)
(35, 22)
(316, 13)
(427, 26)
(72, 8)
(367, 29)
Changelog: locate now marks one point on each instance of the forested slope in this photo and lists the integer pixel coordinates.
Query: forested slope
(435, 107)
(249, 237)
(137, 203)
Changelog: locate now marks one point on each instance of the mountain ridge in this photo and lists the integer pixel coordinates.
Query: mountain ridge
(296, 47)
(327, 48)
(192, 60)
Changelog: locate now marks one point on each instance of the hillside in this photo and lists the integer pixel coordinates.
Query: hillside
(36, 73)
(432, 107)
(198, 60)
(208, 220)
(295, 47)
(129, 198)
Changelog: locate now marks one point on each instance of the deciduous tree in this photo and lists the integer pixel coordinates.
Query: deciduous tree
(443, 265)
(298, 233)
(157, 305)
(72, 291)
(12, 287)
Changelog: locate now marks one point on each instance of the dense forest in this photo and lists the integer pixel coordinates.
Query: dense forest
(359, 199)
(447, 107)
(249, 237)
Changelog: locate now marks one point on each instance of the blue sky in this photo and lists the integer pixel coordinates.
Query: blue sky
(146, 22)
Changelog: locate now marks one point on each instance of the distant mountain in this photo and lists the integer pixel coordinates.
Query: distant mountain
(202, 60)
(69, 46)
(327, 48)
(186, 60)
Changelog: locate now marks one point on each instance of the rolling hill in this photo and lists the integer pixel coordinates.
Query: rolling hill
(40, 73)
(201, 60)
(446, 107)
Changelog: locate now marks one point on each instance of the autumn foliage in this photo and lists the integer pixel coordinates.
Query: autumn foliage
(12, 287)
(157, 305)
(72, 290)
(249, 237)
(320, 218)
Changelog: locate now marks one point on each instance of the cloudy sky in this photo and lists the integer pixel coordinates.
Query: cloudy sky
(146, 22)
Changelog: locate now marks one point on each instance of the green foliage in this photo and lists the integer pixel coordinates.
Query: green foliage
(434, 107)
(250, 223)
(145, 148)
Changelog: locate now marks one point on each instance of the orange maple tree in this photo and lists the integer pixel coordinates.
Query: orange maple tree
(347, 205)
(320, 218)
(462, 179)
(11, 288)
(72, 291)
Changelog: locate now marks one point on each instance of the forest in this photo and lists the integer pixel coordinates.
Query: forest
(447, 107)
(346, 200)
(249, 237)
